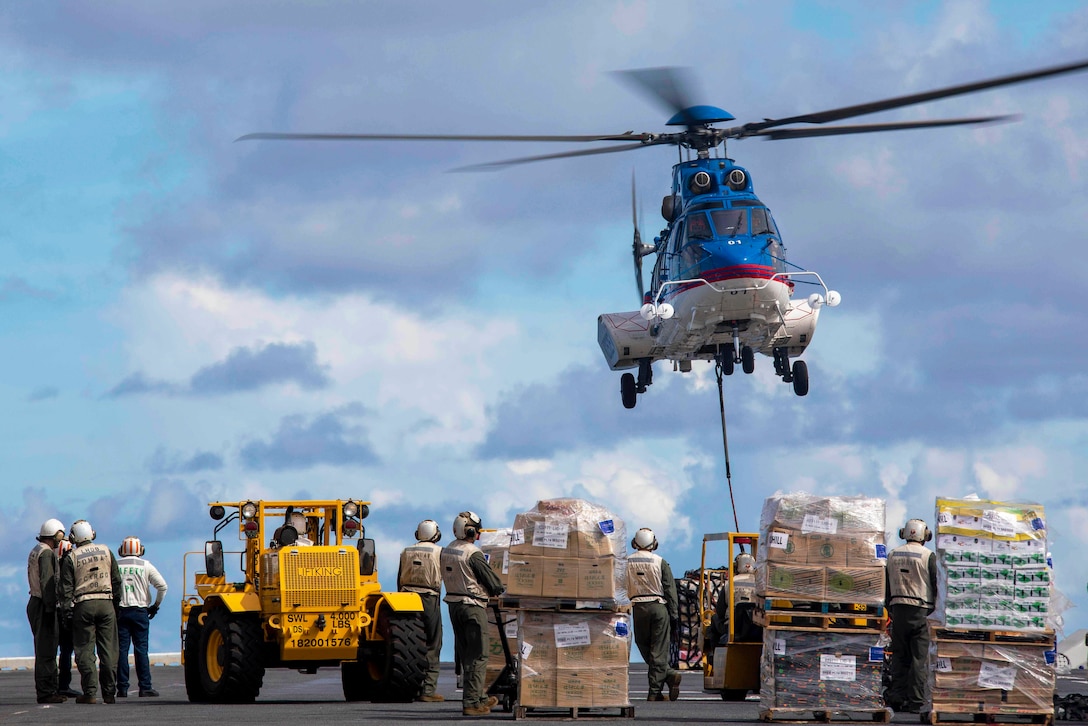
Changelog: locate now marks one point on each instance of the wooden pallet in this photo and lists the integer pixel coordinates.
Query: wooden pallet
(574, 712)
(820, 622)
(963, 635)
(516, 602)
(798, 606)
(817, 715)
(942, 715)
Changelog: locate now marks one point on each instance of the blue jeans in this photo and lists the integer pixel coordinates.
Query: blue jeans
(132, 626)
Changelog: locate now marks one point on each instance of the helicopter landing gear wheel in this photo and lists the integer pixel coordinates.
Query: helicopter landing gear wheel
(627, 390)
(747, 359)
(800, 377)
(727, 364)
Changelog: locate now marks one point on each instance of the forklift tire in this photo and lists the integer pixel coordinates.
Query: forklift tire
(193, 687)
(401, 666)
(230, 658)
(358, 686)
(734, 694)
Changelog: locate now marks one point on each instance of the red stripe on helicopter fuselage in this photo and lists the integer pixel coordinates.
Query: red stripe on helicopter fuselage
(732, 272)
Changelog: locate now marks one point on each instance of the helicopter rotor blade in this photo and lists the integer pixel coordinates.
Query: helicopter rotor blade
(667, 84)
(801, 133)
(636, 245)
(275, 136)
(492, 165)
(837, 114)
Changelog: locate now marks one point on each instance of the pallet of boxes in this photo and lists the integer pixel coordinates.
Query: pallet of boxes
(820, 580)
(991, 633)
(566, 589)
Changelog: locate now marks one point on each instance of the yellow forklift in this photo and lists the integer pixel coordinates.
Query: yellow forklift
(733, 667)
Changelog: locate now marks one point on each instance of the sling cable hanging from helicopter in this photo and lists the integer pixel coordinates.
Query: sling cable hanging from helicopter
(725, 444)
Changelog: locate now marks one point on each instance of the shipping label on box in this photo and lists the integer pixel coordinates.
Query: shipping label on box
(964, 543)
(526, 576)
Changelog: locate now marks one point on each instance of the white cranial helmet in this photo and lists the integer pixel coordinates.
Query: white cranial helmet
(428, 531)
(50, 529)
(131, 547)
(466, 525)
(81, 533)
(744, 564)
(644, 539)
(915, 530)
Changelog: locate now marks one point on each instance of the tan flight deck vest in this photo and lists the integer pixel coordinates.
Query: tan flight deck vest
(644, 577)
(92, 564)
(908, 576)
(33, 571)
(457, 575)
(419, 569)
(744, 588)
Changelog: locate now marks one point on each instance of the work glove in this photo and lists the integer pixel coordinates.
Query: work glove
(152, 612)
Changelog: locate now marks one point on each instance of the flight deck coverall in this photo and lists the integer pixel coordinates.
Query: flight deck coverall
(911, 586)
(652, 590)
(469, 582)
(419, 573)
(41, 611)
(90, 589)
(138, 576)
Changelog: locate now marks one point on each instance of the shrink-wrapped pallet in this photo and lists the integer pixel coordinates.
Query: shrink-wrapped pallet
(1000, 677)
(822, 548)
(805, 670)
(992, 566)
(573, 659)
(568, 549)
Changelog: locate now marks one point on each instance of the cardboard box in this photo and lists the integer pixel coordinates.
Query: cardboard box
(589, 542)
(534, 533)
(855, 584)
(498, 559)
(786, 545)
(610, 687)
(573, 687)
(792, 581)
(536, 688)
(864, 550)
(826, 550)
(525, 576)
(559, 577)
(597, 579)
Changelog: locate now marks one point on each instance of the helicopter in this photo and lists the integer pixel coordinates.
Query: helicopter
(721, 288)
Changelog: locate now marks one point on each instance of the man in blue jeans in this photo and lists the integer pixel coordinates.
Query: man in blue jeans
(133, 621)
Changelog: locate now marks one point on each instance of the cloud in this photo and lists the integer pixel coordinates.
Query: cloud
(164, 462)
(328, 438)
(244, 369)
(43, 393)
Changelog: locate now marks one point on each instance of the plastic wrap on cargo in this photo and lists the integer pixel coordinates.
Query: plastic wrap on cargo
(495, 544)
(814, 670)
(990, 677)
(573, 659)
(569, 549)
(993, 569)
(822, 548)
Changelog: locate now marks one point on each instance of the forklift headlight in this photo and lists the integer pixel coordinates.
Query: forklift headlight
(249, 510)
(252, 529)
(351, 509)
(351, 528)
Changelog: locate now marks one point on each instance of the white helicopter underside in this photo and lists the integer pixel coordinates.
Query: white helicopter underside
(703, 317)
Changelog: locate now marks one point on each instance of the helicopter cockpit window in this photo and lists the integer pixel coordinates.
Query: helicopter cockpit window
(760, 223)
(698, 227)
(730, 222)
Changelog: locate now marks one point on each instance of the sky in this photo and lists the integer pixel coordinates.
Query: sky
(185, 318)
